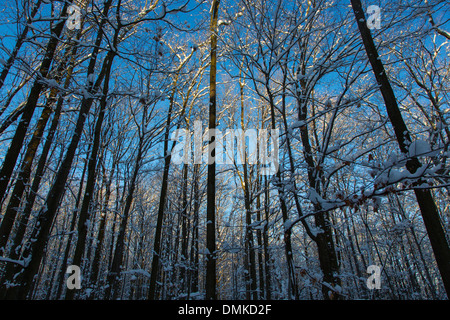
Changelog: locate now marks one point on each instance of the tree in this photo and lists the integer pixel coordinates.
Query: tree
(424, 197)
(28, 110)
(210, 284)
(357, 132)
(164, 186)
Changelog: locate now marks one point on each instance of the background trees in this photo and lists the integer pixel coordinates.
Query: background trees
(87, 177)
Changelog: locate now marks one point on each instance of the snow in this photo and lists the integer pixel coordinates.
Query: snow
(315, 198)
(51, 83)
(223, 22)
(259, 225)
(419, 148)
(288, 224)
(361, 167)
(135, 272)
(19, 262)
(90, 77)
(298, 124)
(85, 93)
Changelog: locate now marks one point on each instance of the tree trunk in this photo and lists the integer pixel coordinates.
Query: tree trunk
(28, 111)
(293, 290)
(184, 231)
(29, 200)
(324, 240)
(84, 213)
(250, 265)
(93, 277)
(23, 178)
(113, 278)
(211, 281)
(262, 289)
(39, 171)
(194, 254)
(162, 199)
(48, 211)
(267, 267)
(73, 222)
(25, 167)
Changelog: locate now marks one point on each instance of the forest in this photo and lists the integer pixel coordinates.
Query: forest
(224, 150)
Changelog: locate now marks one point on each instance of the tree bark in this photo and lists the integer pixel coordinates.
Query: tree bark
(211, 281)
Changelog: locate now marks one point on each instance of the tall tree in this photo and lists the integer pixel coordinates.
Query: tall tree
(84, 213)
(16, 144)
(428, 208)
(211, 256)
(48, 212)
(164, 185)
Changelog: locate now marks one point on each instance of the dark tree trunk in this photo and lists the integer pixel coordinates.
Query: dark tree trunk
(39, 171)
(262, 289)
(84, 213)
(73, 222)
(184, 231)
(210, 283)
(26, 165)
(112, 292)
(93, 277)
(250, 274)
(267, 266)
(194, 255)
(16, 144)
(162, 201)
(293, 290)
(29, 200)
(324, 240)
(23, 178)
(34, 251)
